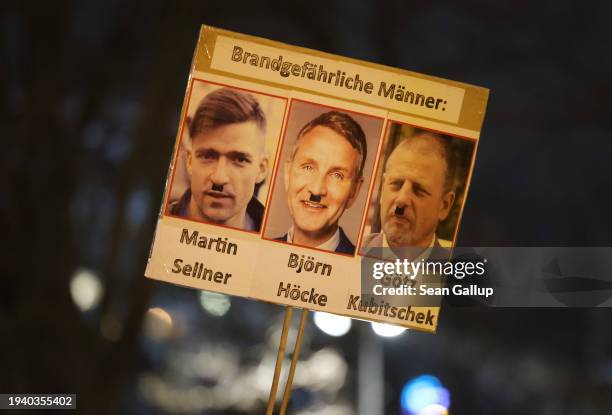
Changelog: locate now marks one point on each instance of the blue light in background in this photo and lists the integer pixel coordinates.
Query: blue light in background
(421, 392)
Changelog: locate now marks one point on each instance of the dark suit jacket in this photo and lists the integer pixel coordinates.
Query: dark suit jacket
(345, 246)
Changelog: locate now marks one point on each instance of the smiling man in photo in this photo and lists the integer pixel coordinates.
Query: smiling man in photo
(323, 176)
(225, 162)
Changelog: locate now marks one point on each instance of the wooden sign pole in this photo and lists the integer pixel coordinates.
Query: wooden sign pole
(279, 361)
(296, 355)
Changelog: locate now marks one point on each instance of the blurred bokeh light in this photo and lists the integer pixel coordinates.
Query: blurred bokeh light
(387, 330)
(332, 324)
(86, 289)
(215, 304)
(424, 395)
(158, 324)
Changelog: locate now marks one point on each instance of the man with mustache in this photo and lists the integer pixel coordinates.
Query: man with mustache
(416, 194)
(322, 178)
(225, 162)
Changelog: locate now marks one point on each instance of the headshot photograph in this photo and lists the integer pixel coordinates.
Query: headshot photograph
(323, 176)
(419, 191)
(224, 163)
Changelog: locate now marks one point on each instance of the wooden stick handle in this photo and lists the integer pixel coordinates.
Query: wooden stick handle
(279, 359)
(294, 360)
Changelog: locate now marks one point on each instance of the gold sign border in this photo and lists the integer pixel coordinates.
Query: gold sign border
(474, 101)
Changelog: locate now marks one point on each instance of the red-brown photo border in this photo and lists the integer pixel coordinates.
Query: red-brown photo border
(467, 182)
(377, 155)
(179, 140)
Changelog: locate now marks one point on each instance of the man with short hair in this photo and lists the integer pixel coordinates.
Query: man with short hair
(225, 162)
(323, 177)
(416, 195)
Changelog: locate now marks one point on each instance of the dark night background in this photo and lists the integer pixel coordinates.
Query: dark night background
(91, 95)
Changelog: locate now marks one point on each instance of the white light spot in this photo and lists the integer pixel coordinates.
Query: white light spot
(86, 289)
(332, 324)
(387, 330)
(214, 303)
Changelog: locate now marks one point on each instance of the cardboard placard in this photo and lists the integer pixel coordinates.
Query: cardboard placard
(290, 163)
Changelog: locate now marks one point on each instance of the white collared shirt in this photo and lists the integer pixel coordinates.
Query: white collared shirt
(330, 245)
(424, 255)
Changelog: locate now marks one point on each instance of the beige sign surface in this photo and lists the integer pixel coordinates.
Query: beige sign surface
(291, 164)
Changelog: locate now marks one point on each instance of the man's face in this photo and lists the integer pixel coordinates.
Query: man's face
(413, 198)
(321, 181)
(224, 164)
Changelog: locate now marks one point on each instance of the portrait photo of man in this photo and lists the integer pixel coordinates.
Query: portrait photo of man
(225, 161)
(419, 189)
(322, 177)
